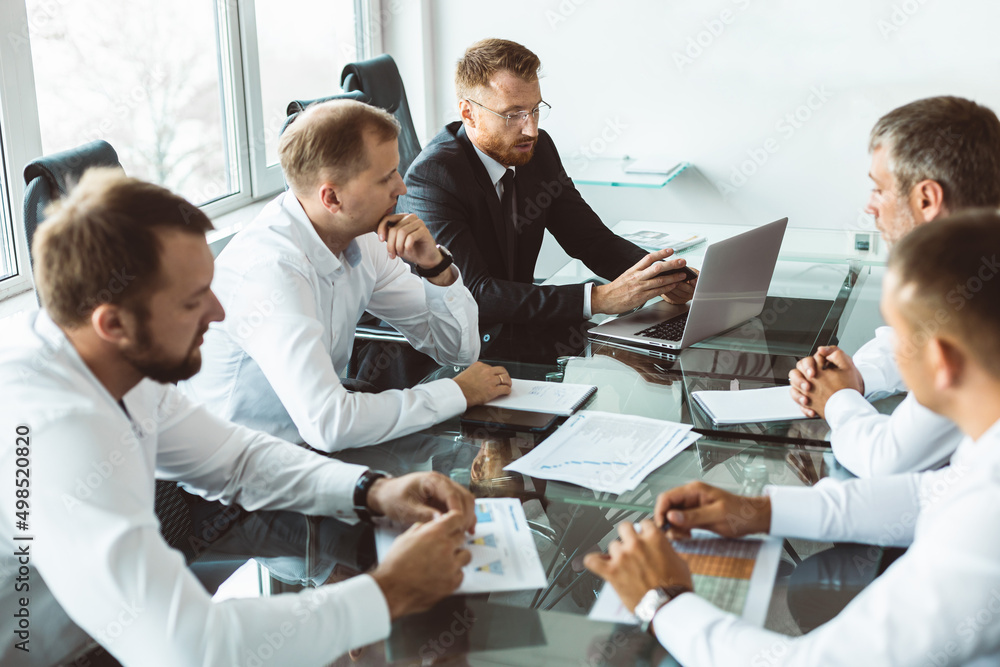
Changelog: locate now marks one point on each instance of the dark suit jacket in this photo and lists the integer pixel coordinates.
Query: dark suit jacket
(450, 189)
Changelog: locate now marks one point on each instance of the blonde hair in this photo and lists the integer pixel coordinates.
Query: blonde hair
(99, 244)
(326, 142)
(487, 57)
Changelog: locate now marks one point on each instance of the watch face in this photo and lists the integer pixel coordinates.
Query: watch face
(650, 603)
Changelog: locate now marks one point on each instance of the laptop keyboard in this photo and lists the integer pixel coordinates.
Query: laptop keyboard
(672, 329)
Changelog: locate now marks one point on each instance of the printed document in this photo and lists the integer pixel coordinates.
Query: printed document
(605, 451)
(504, 555)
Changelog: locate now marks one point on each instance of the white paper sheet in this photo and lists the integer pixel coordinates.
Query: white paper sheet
(604, 451)
(504, 555)
(609, 607)
(556, 398)
(749, 405)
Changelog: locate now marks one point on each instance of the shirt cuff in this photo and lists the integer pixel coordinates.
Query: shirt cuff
(440, 292)
(873, 378)
(588, 289)
(684, 617)
(795, 511)
(845, 405)
(337, 483)
(448, 397)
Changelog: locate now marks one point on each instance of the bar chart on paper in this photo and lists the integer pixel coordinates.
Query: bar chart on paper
(735, 575)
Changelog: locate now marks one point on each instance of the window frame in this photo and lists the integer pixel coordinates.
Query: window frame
(268, 179)
(20, 130)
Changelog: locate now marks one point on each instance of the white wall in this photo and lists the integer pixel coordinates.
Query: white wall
(637, 65)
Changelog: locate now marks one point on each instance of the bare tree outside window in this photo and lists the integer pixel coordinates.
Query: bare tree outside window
(143, 75)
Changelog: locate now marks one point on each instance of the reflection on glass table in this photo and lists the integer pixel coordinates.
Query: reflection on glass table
(569, 521)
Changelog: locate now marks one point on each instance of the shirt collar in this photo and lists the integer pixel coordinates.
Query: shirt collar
(493, 168)
(317, 252)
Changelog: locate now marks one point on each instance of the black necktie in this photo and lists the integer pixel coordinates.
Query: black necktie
(509, 218)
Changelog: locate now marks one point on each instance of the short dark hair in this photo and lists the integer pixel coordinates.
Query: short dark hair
(99, 245)
(327, 142)
(950, 140)
(952, 267)
(487, 57)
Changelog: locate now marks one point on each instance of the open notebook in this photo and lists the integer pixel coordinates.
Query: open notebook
(557, 398)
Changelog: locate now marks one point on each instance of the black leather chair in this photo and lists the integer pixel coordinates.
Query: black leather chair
(50, 177)
(295, 107)
(379, 79)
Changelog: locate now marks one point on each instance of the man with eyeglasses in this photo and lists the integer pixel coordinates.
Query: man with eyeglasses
(489, 185)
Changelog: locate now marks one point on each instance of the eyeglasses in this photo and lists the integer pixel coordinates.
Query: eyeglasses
(539, 113)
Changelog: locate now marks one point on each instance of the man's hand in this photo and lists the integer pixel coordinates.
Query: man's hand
(639, 562)
(815, 379)
(482, 383)
(638, 284)
(407, 236)
(424, 565)
(698, 505)
(682, 292)
(421, 496)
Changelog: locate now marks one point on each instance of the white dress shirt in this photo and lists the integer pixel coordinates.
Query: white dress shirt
(496, 171)
(291, 308)
(938, 604)
(97, 545)
(870, 444)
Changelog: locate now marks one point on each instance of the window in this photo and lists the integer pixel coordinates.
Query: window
(8, 263)
(300, 64)
(190, 93)
(143, 75)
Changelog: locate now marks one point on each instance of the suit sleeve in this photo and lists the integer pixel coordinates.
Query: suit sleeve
(435, 197)
(579, 230)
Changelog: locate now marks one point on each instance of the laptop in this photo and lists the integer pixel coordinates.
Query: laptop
(731, 289)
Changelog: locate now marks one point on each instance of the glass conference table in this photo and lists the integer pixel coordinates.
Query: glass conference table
(811, 303)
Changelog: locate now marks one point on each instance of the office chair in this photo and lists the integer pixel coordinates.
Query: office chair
(48, 178)
(379, 79)
(295, 107)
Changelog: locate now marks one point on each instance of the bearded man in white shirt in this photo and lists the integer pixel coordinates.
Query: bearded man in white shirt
(124, 274)
(939, 603)
(296, 281)
(929, 158)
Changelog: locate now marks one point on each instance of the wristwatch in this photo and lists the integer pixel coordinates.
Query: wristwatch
(437, 270)
(361, 489)
(653, 600)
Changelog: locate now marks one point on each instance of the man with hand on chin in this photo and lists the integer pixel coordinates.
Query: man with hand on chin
(86, 385)
(296, 281)
(489, 185)
(927, 607)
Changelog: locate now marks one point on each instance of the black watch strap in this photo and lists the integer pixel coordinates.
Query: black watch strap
(361, 489)
(436, 270)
